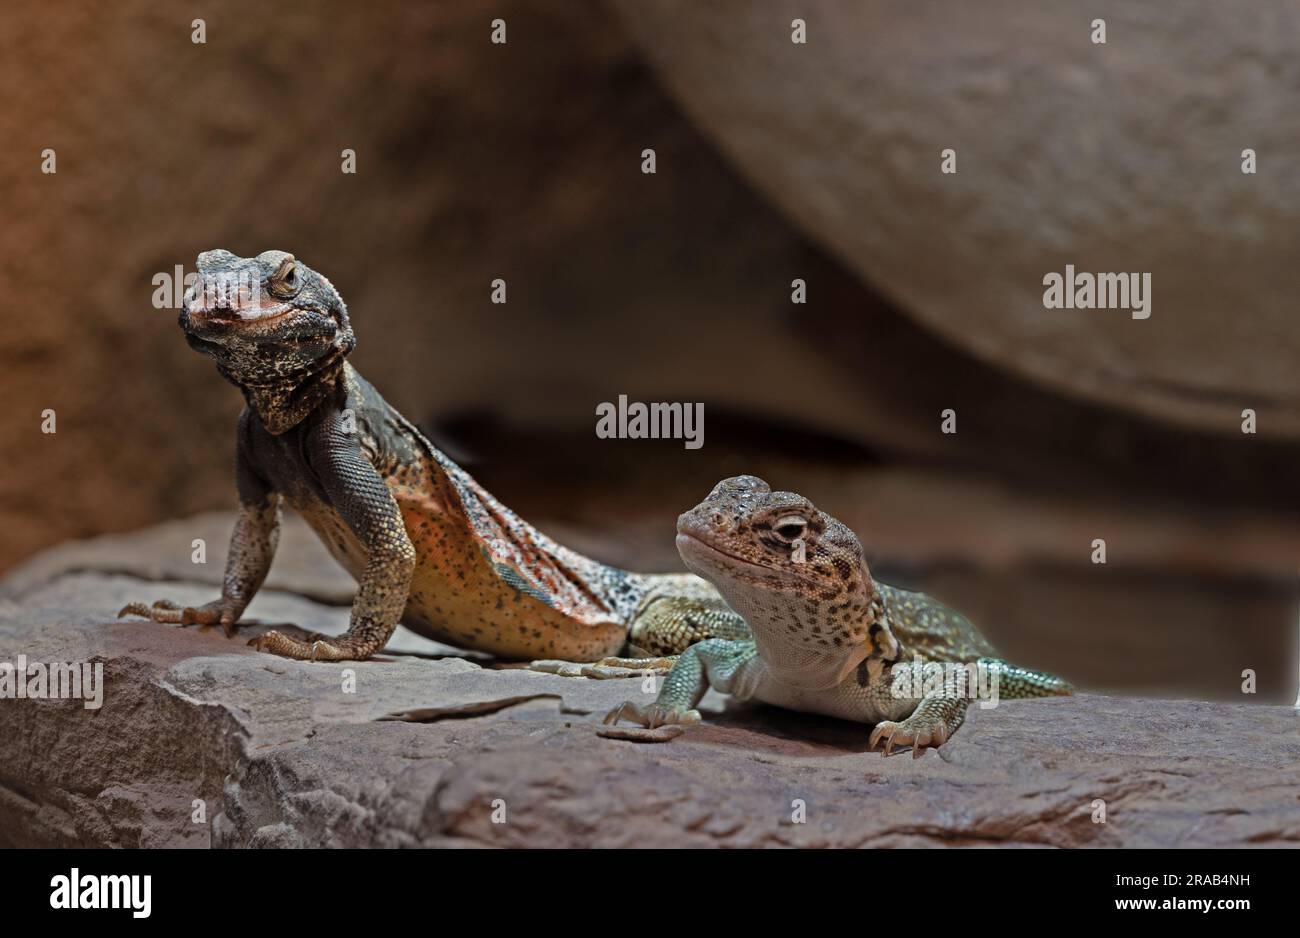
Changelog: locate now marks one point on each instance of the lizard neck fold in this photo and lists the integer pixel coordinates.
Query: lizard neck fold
(284, 404)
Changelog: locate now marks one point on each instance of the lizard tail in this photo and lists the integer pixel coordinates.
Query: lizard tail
(1015, 682)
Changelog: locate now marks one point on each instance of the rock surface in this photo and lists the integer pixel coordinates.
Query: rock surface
(431, 746)
(1122, 156)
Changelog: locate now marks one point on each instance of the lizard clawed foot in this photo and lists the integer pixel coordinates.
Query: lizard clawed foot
(314, 648)
(217, 612)
(606, 667)
(920, 735)
(629, 667)
(651, 716)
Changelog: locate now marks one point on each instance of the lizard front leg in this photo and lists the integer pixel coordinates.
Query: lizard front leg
(252, 547)
(362, 499)
(712, 663)
(939, 713)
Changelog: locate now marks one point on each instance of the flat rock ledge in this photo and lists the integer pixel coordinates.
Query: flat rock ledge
(201, 741)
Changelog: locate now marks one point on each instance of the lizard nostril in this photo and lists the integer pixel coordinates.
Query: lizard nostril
(718, 520)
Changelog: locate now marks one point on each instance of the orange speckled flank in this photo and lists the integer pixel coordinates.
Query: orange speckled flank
(483, 578)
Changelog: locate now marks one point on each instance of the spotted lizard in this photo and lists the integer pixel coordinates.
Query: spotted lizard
(827, 638)
(428, 546)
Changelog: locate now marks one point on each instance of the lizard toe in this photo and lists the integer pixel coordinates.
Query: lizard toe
(919, 736)
(634, 667)
(164, 610)
(628, 711)
(277, 643)
(653, 716)
(600, 672)
(606, 668)
(167, 612)
(562, 668)
(885, 728)
(663, 716)
(314, 647)
(920, 740)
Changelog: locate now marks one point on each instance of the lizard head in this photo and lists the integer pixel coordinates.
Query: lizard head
(266, 320)
(275, 327)
(796, 575)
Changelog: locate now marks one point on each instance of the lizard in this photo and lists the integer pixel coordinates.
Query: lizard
(826, 637)
(428, 546)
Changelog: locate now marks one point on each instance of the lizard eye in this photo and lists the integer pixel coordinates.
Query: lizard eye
(285, 281)
(790, 527)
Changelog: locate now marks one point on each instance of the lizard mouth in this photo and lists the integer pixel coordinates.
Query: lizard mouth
(225, 300)
(703, 553)
(230, 315)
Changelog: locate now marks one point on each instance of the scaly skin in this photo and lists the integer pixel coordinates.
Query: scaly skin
(428, 546)
(826, 637)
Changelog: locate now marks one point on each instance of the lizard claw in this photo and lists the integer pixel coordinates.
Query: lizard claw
(148, 612)
(217, 612)
(651, 716)
(884, 730)
(315, 648)
(920, 736)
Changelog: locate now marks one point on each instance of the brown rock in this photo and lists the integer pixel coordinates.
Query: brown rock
(672, 287)
(280, 754)
(1117, 157)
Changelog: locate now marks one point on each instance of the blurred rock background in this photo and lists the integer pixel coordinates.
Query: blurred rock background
(522, 161)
